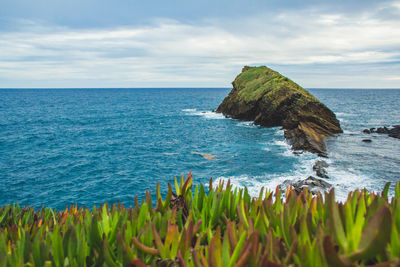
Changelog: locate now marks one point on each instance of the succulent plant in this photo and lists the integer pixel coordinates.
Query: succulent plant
(223, 226)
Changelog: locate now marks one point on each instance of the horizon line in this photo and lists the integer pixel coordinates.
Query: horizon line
(187, 87)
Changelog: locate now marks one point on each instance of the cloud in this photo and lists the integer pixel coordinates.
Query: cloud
(210, 53)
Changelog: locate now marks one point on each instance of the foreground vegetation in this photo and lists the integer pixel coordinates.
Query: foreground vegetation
(224, 227)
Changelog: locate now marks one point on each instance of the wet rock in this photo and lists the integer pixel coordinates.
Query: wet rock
(367, 140)
(319, 168)
(320, 163)
(313, 184)
(382, 130)
(393, 132)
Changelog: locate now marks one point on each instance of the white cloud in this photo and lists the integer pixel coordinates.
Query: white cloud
(171, 53)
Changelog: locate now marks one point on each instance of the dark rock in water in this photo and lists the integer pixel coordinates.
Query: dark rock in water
(367, 140)
(269, 99)
(313, 184)
(319, 168)
(393, 132)
(382, 130)
(320, 163)
(366, 131)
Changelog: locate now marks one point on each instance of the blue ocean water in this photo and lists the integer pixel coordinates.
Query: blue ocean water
(61, 147)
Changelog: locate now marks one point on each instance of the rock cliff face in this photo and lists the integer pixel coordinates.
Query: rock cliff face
(269, 99)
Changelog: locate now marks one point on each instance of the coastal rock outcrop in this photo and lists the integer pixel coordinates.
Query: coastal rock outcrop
(319, 168)
(313, 184)
(269, 99)
(393, 132)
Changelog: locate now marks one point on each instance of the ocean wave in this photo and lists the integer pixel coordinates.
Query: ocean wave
(246, 124)
(343, 180)
(343, 114)
(350, 132)
(284, 148)
(206, 114)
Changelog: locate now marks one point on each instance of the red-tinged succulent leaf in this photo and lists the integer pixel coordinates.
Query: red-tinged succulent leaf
(64, 217)
(385, 190)
(196, 228)
(231, 235)
(292, 250)
(172, 231)
(195, 257)
(158, 192)
(157, 240)
(215, 249)
(203, 260)
(375, 236)
(189, 236)
(242, 261)
(137, 263)
(331, 256)
(173, 196)
(144, 248)
(187, 183)
(394, 263)
(335, 219)
(268, 263)
(181, 260)
(228, 184)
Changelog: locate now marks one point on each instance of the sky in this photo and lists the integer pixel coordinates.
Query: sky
(182, 43)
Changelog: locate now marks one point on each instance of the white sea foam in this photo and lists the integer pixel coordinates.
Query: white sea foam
(281, 143)
(206, 114)
(350, 132)
(284, 148)
(343, 180)
(342, 114)
(245, 124)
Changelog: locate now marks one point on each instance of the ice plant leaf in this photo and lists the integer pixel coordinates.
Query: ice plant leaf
(385, 190)
(331, 255)
(335, 220)
(144, 248)
(238, 249)
(375, 236)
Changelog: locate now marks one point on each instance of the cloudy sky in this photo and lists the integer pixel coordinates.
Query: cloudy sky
(182, 43)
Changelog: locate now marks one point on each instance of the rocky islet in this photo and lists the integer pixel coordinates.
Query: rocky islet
(270, 99)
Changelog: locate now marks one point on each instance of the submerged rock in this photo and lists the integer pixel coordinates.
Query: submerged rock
(367, 140)
(269, 99)
(207, 156)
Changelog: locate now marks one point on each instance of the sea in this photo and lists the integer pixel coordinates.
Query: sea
(62, 147)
